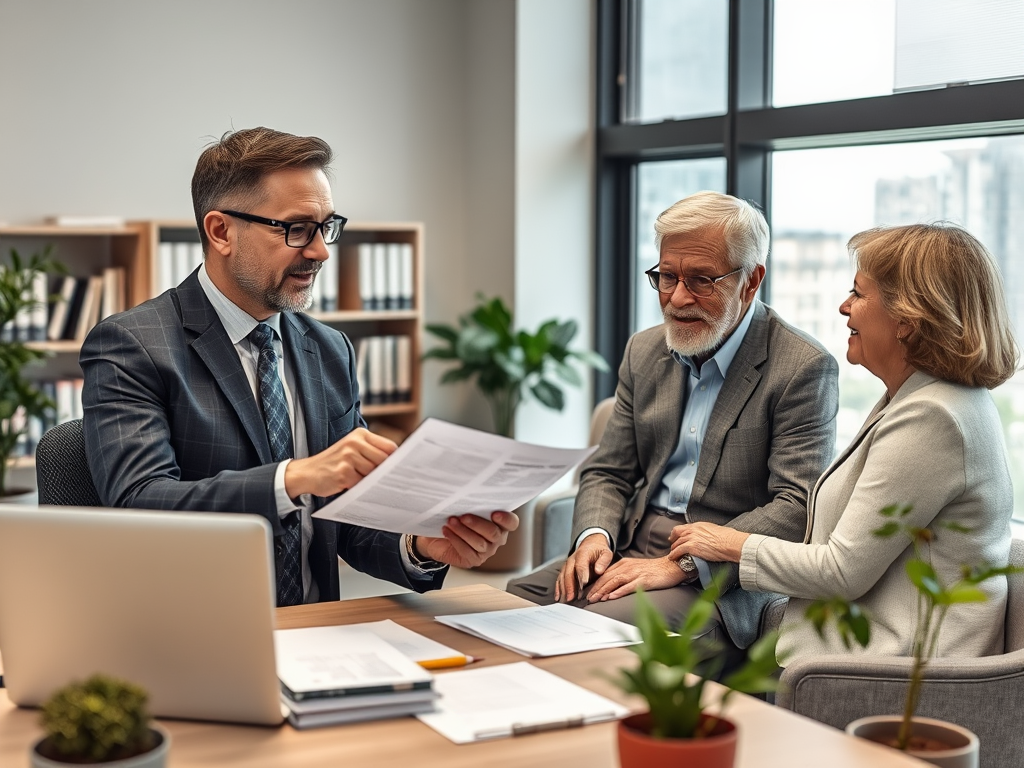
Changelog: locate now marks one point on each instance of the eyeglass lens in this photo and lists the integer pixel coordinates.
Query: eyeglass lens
(698, 285)
(301, 233)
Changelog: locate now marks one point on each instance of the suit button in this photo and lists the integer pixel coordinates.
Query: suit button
(279, 548)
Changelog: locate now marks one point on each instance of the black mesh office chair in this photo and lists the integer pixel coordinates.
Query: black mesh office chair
(62, 470)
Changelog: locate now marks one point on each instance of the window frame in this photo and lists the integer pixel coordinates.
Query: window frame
(746, 136)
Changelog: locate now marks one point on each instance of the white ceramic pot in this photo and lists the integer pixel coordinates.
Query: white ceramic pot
(155, 758)
(963, 751)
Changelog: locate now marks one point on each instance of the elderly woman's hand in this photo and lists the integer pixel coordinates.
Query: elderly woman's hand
(708, 541)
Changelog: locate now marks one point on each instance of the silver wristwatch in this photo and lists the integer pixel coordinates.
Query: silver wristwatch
(687, 566)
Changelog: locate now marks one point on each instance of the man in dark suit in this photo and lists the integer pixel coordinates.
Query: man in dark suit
(219, 395)
(725, 413)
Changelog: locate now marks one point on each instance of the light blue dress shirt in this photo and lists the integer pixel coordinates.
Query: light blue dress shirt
(703, 385)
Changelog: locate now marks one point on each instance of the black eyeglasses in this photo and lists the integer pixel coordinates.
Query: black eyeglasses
(699, 285)
(299, 234)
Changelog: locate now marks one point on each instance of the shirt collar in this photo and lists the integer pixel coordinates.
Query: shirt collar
(236, 321)
(727, 352)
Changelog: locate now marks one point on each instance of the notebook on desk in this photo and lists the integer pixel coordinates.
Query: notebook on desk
(180, 603)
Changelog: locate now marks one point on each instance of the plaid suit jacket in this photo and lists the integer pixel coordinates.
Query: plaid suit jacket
(770, 435)
(171, 423)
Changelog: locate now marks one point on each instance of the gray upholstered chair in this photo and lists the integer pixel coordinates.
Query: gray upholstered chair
(62, 469)
(552, 512)
(983, 694)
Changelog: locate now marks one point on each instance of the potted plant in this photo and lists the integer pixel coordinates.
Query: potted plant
(20, 399)
(671, 675)
(508, 363)
(102, 721)
(934, 741)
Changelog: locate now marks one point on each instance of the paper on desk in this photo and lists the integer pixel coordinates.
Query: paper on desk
(417, 647)
(442, 470)
(546, 630)
(512, 700)
(336, 661)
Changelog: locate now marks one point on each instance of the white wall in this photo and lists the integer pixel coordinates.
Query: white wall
(105, 106)
(554, 193)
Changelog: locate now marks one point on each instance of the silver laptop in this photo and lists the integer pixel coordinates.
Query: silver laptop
(180, 603)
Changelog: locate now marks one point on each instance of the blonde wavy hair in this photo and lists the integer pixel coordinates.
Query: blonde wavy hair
(944, 284)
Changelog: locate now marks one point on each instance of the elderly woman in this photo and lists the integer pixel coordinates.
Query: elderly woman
(927, 316)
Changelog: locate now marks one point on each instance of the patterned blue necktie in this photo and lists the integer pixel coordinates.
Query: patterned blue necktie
(288, 547)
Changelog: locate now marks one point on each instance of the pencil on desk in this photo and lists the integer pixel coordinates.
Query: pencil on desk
(449, 663)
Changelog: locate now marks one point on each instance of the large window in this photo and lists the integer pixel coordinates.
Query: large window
(814, 129)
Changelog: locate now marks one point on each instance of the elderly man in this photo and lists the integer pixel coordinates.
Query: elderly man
(219, 395)
(725, 413)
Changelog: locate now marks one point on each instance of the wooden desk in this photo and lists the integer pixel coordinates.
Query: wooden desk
(769, 737)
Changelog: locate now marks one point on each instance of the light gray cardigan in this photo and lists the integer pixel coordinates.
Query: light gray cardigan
(939, 447)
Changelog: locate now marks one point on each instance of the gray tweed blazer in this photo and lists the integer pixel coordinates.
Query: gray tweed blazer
(771, 434)
(171, 423)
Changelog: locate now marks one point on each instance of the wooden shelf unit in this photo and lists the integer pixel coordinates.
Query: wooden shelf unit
(86, 251)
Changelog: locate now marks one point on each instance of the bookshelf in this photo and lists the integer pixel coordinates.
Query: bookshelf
(136, 247)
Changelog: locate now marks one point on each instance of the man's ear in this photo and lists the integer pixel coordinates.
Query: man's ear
(753, 283)
(220, 232)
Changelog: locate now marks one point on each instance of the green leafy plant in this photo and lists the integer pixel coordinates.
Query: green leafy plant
(20, 399)
(934, 599)
(674, 668)
(99, 720)
(508, 363)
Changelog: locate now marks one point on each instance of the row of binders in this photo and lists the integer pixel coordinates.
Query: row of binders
(177, 260)
(67, 394)
(68, 307)
(384, 369)
(386, 279)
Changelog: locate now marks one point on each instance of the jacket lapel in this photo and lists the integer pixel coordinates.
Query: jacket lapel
(305, 357)
(215, 349)
(666, 414)
(740, 382)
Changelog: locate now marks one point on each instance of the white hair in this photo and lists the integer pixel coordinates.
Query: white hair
(743, 226)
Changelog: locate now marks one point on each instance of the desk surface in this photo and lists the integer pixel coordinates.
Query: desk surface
(769, 737)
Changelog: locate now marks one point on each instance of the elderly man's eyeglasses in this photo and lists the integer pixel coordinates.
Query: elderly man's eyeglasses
(298, 234)
(699, 285)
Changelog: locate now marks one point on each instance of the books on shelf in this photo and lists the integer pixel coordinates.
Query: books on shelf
(176, 260)
(384, 369)
(69, 307)
(384, 274)
(339, 674)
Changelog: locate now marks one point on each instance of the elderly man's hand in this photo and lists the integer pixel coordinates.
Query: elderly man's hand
(630, 573)
(714, 543)
(468, 539)
(590, 559)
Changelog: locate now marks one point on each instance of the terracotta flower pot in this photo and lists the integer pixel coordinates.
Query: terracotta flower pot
(961, 744)
(155, 758)
(637, 749)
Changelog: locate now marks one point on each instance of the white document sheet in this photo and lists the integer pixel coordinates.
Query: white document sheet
(512, 700)
(442, 470)
(546, 630)
(337, 661)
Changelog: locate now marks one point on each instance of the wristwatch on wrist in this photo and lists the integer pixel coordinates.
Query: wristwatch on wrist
(687, 566)
(418, 561)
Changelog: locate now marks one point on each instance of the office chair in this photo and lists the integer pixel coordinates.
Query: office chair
(982, 694)
(62, 469)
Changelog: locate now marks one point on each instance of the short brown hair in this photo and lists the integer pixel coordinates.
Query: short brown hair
(943, 283)
(229, 172)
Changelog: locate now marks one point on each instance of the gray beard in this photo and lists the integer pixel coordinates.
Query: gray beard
(276, 298)
(692, 343)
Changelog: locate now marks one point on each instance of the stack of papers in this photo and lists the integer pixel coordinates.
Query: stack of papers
(346, 674)
(513, 700)
(546, 630)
